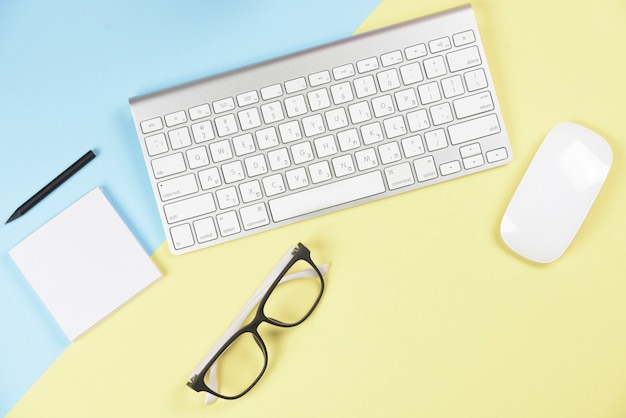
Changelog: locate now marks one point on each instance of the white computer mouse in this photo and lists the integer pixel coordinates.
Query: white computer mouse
(556, 192)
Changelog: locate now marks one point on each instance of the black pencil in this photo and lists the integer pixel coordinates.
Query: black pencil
(48, 188)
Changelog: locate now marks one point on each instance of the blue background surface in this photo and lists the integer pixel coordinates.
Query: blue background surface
(67, 69)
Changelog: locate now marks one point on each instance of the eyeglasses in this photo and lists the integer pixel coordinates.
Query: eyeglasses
(286, 298)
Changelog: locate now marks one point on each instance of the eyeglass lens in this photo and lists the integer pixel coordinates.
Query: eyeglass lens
(292, 301)
(238, 367)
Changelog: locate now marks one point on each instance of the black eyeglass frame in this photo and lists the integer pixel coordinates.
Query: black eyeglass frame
(197, 382)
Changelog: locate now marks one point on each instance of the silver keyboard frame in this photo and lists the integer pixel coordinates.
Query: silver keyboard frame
(310, 61)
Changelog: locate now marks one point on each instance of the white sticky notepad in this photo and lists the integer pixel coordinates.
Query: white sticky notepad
(84, 263)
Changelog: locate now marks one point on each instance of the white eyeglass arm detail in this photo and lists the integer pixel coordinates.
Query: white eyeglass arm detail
(245, 311)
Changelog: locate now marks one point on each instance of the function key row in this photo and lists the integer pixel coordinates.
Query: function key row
(320, 78)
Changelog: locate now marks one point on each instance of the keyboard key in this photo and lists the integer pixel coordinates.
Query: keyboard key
(220, 151)
(209, 178)
(156, 144)
(267, 138)
(412, 146)
(441, 114)
(469, 150)
(359, 112)
(463, 38)
(273, 185)
(254, 216)
(434, 67)
(406, 99)
(256, 165)
(226, 125)
(205, 230)
(366, 159)
(341, 93)
(176, 118)
(452, 86)
(272, 112)
(318, 99)
(343, 71)
(223, 105)
(371, 133)
(227, 198)
(248, 98)
(389, 152)
(250, 191)
(302, 152)
(388, 80)
(151, 125)
(290, 131)
(336, 118)
(197, 157)
(179, 138)
(168, 165)
(320, 78)
(249, 119)
(297, 179)
(328, 195)
(473, 105)
(435, 140)
(233, 172)
(425, 169)
(366, 65)
(439, 45)
(189, 208)
(313, 125)
(271, 92)
(473, 129)
(450, 168)
(411, 73)
(364, 86)
(476, 80)
(243, 144)
(497, 155)
(320, 172)
(473, 161)
(177, 187)
(202, 131)
(464, 59)
(415, 51)
(182, 236)
(228, 223)
(325, 146)
(394, 127)
(391, 58)
(295, 106)
(383, 106)
(343, 166)
(199, 112)
(399, 176)
(418, 120)
(429, 93)
(295, 85)
(279, 159)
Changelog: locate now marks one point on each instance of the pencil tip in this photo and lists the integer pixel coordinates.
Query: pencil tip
(13, 217)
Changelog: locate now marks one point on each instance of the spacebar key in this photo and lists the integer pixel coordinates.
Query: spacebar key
(327, 196)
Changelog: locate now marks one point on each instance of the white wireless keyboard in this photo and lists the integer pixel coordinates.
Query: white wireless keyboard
(371, 116)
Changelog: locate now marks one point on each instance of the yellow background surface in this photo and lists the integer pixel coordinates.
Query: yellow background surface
(426, 312)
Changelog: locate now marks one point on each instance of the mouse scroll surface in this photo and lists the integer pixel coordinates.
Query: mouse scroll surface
(556, 192)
